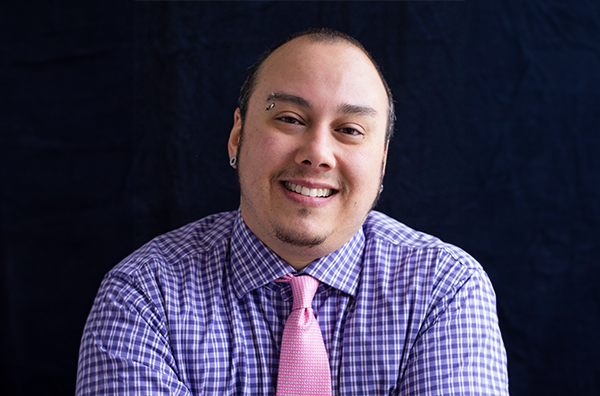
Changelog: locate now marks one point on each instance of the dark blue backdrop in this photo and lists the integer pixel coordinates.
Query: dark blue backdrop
(109, 138)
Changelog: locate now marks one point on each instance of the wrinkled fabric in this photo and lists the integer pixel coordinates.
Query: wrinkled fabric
(202, 310)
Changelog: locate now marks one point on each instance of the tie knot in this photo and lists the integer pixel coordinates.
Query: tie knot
(303, 289)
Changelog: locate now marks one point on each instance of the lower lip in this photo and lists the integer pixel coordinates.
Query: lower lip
(307, 201)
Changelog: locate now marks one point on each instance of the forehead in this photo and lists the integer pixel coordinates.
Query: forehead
(310, 68)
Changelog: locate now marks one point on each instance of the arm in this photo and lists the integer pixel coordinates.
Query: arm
(125, 345)
(459, 350)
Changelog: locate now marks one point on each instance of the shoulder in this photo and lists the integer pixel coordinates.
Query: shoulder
(188, 243)
(416, 259)
(430, 270)
(384, 230)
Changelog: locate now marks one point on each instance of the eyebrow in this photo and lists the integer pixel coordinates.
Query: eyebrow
(357, 109)
(289, 98)
(344, 108)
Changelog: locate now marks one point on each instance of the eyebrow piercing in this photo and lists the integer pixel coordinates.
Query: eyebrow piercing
(272, 104)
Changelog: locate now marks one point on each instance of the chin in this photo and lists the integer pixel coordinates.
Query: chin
(299, 239)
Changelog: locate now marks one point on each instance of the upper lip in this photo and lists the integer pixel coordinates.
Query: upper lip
(311, 184)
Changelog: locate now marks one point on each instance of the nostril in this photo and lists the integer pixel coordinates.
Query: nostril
(307, 162)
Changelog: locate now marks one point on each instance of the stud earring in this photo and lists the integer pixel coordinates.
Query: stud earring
(233, 162)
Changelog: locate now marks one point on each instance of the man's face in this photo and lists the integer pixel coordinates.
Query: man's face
(313, 148)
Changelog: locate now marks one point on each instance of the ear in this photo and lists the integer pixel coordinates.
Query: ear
(234, 136)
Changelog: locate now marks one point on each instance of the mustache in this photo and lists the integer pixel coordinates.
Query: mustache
(285, 174)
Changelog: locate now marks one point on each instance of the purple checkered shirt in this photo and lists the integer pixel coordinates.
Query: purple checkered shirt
(197, 312)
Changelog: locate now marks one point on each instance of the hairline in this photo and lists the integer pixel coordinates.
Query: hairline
(315, 35)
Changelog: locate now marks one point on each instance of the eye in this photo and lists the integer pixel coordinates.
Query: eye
(289, 120)
(350, 131)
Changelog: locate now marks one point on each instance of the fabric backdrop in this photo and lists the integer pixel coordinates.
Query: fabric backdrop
(114, 120)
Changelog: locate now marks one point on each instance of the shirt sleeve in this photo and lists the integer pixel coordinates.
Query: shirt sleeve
(125, 345)
(460, 351)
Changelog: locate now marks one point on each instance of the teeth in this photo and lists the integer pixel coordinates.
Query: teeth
(309, 192)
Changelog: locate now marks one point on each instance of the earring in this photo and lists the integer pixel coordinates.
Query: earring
(381, 189)
(233, 162)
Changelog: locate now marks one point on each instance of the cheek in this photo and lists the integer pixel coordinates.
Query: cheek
(264, 149)
(364, 170)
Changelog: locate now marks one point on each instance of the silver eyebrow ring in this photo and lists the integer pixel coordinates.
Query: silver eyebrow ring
(272, 104)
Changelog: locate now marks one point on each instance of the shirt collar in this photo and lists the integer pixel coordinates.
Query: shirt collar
(255, 265)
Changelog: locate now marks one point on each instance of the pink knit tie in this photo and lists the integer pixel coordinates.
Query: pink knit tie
(303, 363)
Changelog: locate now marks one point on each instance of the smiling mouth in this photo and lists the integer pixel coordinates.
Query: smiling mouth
(309, 192)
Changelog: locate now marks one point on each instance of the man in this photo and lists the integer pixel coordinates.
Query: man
(202, 309)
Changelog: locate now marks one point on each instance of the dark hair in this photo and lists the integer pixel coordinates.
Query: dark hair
(320, 34)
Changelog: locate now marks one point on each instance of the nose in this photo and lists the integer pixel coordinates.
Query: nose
(316, 149)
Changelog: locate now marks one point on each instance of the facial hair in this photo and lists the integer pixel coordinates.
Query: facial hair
(292, 237)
